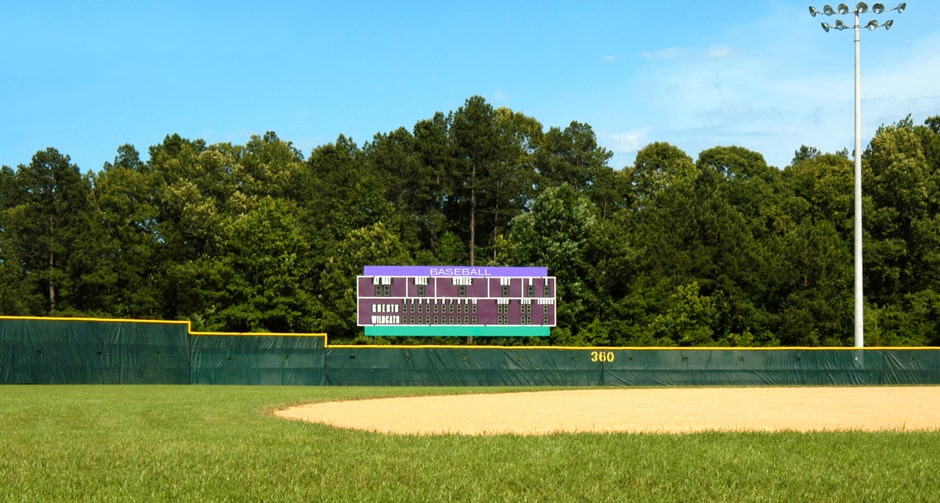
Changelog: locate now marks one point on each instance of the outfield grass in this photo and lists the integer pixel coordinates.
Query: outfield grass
(220, 443)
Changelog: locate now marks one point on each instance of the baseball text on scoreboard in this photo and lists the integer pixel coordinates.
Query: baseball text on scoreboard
(456, 301)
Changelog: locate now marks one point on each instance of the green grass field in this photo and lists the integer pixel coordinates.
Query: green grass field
(220, 443)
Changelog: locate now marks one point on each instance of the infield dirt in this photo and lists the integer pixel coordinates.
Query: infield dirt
(643, 410)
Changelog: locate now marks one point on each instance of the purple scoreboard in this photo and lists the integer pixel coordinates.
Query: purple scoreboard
(455, 301)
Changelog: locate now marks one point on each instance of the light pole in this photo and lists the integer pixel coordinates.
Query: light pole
(843, 9)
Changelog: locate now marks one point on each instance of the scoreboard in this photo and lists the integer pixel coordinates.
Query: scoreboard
(455, 301)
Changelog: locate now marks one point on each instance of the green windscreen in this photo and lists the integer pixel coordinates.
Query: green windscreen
(82, 351)
(93, 352)
(455, 366)
(258, 359)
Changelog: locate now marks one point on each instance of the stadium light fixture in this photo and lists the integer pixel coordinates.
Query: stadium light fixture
(842, 9)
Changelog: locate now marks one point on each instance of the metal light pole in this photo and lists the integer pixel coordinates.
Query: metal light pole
(843, 9)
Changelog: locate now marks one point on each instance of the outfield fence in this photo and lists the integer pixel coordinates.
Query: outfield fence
(92, 351)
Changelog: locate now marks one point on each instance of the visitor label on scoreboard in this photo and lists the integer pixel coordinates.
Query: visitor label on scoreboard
(456, 301)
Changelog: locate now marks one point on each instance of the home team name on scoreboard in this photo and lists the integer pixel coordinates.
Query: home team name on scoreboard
(456, 301)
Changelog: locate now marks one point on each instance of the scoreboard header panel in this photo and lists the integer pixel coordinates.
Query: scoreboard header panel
(449, 271)
(456, 301)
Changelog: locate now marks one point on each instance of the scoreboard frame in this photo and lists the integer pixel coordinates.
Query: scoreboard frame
(464, 301)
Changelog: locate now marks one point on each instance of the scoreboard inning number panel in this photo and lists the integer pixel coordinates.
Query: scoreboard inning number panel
(456, 301)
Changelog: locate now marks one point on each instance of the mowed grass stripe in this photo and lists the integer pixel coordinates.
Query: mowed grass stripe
(221, 443)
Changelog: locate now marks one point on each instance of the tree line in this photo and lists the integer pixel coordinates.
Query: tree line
(723, 250)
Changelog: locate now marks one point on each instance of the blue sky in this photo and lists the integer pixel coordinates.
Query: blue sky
(87, 77)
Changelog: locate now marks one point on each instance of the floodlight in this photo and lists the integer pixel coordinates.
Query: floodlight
(874, 24)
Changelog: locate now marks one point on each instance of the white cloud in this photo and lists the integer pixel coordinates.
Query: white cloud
(498, 97)
(624, 145)
(771, 85)
(719, 52)
(628, 141)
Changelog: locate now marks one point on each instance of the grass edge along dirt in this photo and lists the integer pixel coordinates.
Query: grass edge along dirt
(221, 443)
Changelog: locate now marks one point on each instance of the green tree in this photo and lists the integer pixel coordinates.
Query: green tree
(660, 202)
(816, 299)
(813, 234)
(903, 224)
(805, 153)
(200, 196)
(17, 296)
(479, 149)
(657, 167)
(436, 185)
(704, 226)
(45, 226)
(749, 184)
(269, 166)
(556, 234)
(340, 192)
(408, 183)
(610, 192)
(372, 245)
(612, 259)
(571, 156)
(690, 319)
(124, 277)
(266, 274)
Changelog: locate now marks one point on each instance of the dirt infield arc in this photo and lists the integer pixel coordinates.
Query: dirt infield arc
(646, 410)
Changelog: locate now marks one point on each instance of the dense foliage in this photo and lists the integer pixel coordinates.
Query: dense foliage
(723, 250)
